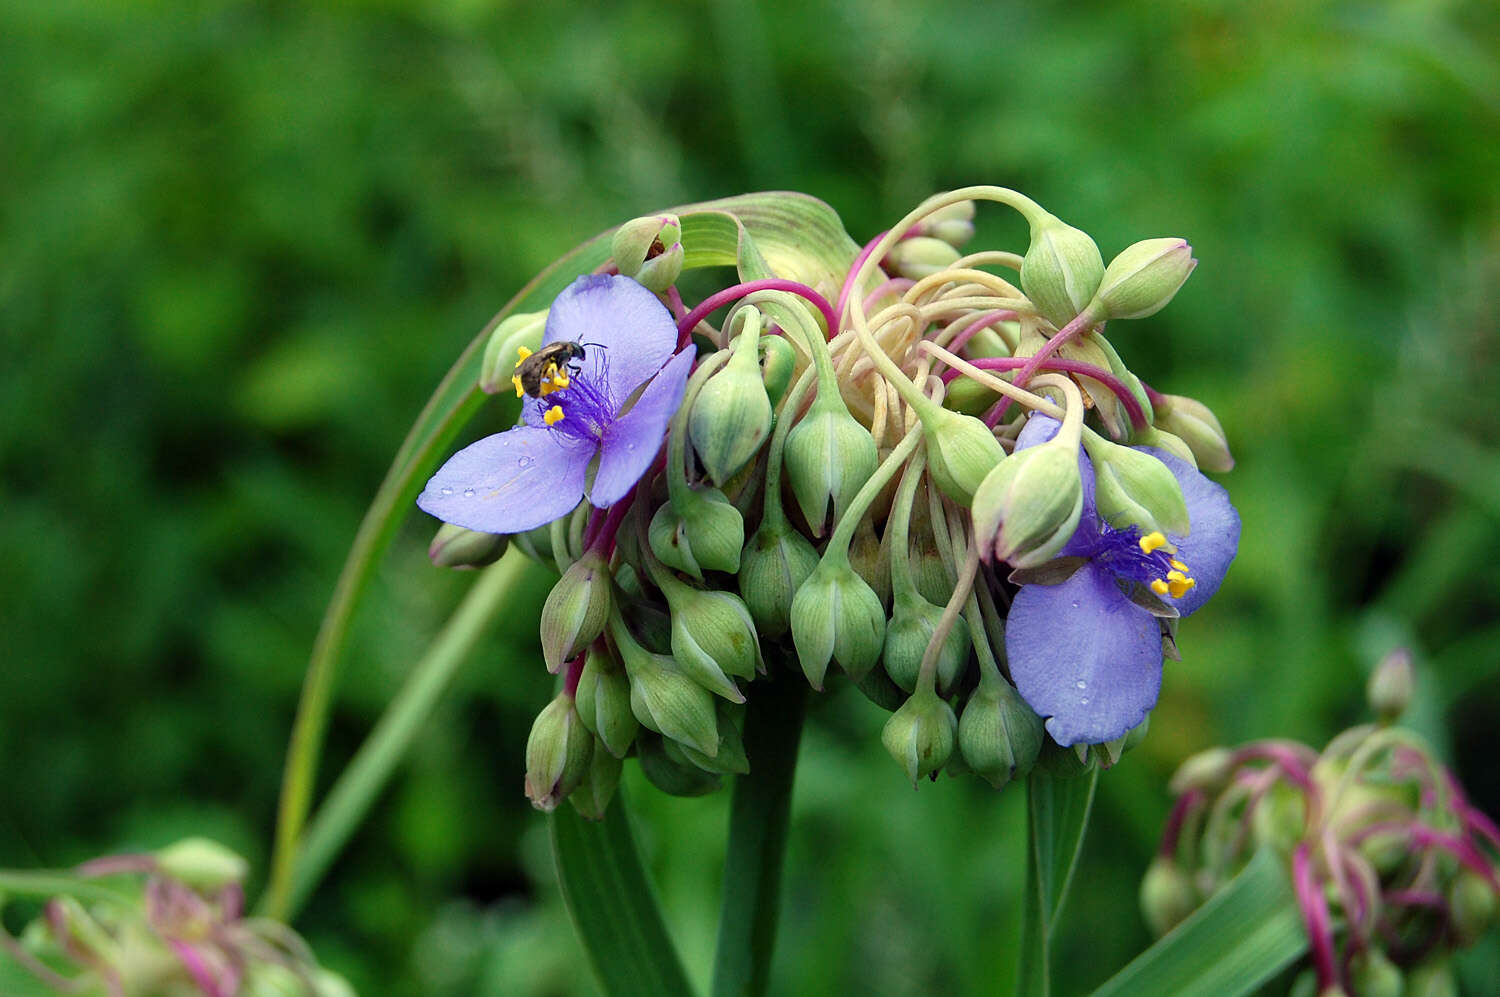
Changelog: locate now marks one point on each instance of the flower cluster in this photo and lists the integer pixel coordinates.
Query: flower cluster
(169, 922)
(891, 464)
(1392, 867)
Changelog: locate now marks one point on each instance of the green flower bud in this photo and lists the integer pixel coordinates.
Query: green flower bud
(272, 979)
(1391, 684)
(920, 256)
(775, 563)
(501, 352)
(836, 616)
(1027, 508)
(1153, 436)
(927, 568)
(456, 547)
(592, 794)
(869, 559)
(663, 697)
(969, 397)
(536, 544)
(1060, 762)
(671, 772)
(204, 865)
(731, 416)
(880, 690)
(603, 703)
(576, 610)
(828, 457)
(557, 754)
(999, 736)
(1472, 906)
(649, 250)
(1431, 979)
(713, 637)
(698, 531)
(1207, 770)
(953, 223)
(1195, 424)
(1167, 895)
(1373, 975)
(1062, 269)
(1132, 488)
(1143, 278)
(961, 451)
(778, 362)
(920, 735)
(327, 983)
(913, 622)
(728, 760)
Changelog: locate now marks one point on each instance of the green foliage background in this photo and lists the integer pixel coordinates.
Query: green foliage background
(240, 242)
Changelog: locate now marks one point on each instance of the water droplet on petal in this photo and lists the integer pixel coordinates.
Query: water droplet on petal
(447, 491)
(468, 493)
(525, 461)
(1083, 701)
(1082, 684)
(1075, 604)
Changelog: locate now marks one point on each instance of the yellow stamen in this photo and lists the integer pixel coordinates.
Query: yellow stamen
(1179, 565)
(1159, 587)
(1178, 583)
(1151, 541)
(560, 379)
(522, 353)
(554, 415)
(516, 380)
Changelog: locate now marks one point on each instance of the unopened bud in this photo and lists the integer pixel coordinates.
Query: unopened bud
(1391, 684)
(999, 736)
(1132, 488)
(663, 697)
(928, 571)
(327, 983)
(775, 563)
(557, 754)
(671, 772)
(499, 363)
(1374, 975)
(961, 452)
(920, 256)
(913, 622)
(272, 979)
(952, 223)
(920, 735)
(204, 865)
(1061, 270)
(698, 531)
(1167, 895)
(778, 362)
(836, 616)
(730, 758)
(871, 560)
(731, 416)
(1471, 903)
(576, 610)
(713, 637)
(649, 250)
(592, 795)
(1196, 425)
(1433, 978)
(458, 547)
(1062, 763)
(1028, 507)
(1208, 771)
(828, 457)
(1144, 278)
(603, 703)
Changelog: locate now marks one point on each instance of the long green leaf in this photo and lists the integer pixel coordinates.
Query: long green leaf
(758, 819)
(1058, 815)
(613, 906)
(1243, 936)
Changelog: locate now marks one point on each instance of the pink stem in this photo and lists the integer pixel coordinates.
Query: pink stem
(1416, 898)
(113, 865)
(897, 284)
(985, 320)
(1152, 395)
(1460, 849)
(1104, 377)
(674, 299)
(713, 302)
(1315, 916)
(1175, 821)
(1081, 323)
(848, 288)
(196, 968)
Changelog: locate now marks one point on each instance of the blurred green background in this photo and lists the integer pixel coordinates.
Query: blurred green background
(240, 243)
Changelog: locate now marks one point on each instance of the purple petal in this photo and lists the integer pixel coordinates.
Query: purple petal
(1084, 655)
(631, 442)
(627, 334)
(1210, 548)
(513, 481)
(1039, 429)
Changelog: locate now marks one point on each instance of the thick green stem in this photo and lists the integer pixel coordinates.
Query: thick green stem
(758, 819)
(370, 769)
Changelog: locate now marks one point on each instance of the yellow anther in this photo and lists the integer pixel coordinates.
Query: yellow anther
(522, 353)
(560, 379)
(546, 388)
(1179, 565)
(1151, 541)
(516, 380)
(554, 415)
(1178, 583)
(1159, 587)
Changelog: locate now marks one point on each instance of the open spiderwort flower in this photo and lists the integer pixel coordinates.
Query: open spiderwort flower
(534, 473)
(1085, 652)
(1392, 867)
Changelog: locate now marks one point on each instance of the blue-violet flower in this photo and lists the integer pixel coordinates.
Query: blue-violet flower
(1082, 652)
(530, 475)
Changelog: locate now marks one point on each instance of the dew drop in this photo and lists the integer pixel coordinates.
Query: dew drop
(1082, 684)
(525, 461)
(1083, 701)
(1075, 605)
(447, 491)
(468, 493)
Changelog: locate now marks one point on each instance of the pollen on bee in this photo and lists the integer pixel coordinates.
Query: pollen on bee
(553, 415)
